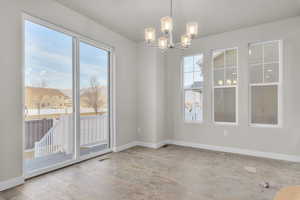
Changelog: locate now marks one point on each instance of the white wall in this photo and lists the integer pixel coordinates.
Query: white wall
(146, 94)
(285, 140)
(11, 74)
(151, 95)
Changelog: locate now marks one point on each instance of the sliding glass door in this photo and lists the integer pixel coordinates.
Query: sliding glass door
(94, 101)
(65, 79)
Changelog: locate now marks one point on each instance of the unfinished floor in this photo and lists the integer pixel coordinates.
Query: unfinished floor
(177, 173)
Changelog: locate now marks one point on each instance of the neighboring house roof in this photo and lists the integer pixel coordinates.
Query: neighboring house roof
(35, 91)
(67, 92)
(196, 84)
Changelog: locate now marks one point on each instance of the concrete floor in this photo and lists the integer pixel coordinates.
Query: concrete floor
(175, 173)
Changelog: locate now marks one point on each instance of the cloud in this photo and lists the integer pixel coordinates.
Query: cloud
(56, 69)
(47, 66)
(87, 71)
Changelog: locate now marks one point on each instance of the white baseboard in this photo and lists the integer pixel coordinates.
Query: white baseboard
(276, 156)
(143, 144)
(124, 147)
(4, 185)
(152, 145)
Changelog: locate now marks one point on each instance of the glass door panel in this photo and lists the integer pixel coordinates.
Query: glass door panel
(94, 101)
(48, 109)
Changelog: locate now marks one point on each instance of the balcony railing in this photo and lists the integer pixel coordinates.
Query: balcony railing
(60, 138)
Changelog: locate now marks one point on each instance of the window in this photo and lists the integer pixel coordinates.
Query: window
(225, 73)
(264, 71)
(193, 88)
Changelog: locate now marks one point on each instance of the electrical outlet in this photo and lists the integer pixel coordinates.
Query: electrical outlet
(225, 132)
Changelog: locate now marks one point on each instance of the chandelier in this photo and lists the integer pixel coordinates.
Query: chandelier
(166, 40)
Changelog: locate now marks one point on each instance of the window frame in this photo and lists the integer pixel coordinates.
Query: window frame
(183, 89)
(278, 84)
(217, 123)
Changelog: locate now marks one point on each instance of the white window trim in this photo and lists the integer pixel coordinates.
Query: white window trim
(184, 89)
(279, 85)
(236, 123)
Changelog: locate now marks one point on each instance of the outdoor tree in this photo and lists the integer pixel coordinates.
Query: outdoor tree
(93, 97)
(43, 83)
(39, 98)
(38, 102)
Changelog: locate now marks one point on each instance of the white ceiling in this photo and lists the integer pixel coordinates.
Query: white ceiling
(130, 17)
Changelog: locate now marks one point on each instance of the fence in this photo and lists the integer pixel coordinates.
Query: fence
(35, 131)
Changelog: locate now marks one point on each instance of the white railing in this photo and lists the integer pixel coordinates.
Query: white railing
(193, 115)
(93, 130)
(56, 137)
(60, 138)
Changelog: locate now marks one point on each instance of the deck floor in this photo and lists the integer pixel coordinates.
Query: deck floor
(177, 173)
(50, 160)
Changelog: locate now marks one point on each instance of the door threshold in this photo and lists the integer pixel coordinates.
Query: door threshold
(67, 163)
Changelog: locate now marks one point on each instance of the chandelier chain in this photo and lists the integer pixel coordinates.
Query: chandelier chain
(171, 9)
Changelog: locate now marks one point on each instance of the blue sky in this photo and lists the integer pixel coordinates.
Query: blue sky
(48, 59)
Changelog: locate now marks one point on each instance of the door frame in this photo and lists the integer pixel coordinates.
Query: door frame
(76, 38)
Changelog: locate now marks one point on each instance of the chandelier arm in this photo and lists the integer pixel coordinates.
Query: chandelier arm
(178, 44)
(152, 45)
(180, 48)
(175, 46)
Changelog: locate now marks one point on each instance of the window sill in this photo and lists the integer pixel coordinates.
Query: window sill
(193, 122)
(265, 125)
(225, 123)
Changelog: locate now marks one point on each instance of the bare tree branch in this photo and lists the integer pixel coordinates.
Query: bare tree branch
(93, 96)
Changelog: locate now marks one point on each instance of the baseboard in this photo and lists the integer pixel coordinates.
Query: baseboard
(276, 156)
(4, 185)
(152, 145)
(143, 144)
(124, 147)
